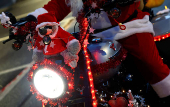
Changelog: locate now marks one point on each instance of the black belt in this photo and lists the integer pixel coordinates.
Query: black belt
(134, 15)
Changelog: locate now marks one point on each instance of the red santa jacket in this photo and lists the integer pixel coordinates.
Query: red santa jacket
(57, 45)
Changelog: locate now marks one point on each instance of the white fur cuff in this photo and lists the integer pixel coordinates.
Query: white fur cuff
(46, 23)
(162, 88)
(132, 27)
(136, 26)
(37, 12)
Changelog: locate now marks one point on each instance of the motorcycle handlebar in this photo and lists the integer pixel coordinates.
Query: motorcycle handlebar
(7, 40)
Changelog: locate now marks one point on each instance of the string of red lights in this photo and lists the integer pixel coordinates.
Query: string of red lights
(88, 61)
(161, 37)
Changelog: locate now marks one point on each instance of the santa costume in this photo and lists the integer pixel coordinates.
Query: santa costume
(137, 38)
(62, 42)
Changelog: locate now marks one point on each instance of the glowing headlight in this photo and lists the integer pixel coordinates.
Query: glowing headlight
(48, 83)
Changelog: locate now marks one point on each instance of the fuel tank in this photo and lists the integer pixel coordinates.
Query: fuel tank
(101, 52)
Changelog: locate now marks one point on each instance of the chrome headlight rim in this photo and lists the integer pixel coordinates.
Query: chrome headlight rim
(66, 75)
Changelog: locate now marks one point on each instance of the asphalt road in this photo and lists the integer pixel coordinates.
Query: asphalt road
(13, 62)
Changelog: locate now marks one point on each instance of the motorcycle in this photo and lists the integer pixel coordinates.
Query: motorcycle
(89, 84)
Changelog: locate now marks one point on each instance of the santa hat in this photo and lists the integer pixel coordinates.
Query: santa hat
(47, 19)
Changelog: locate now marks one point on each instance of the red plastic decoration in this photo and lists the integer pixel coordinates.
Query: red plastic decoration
(122, 27)
(112, 46)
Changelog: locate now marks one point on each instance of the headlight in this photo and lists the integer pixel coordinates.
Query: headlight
(49, 83)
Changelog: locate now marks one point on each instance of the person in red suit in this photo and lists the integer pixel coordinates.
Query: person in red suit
(137, 38)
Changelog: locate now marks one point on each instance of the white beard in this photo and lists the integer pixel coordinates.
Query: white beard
(76, 6)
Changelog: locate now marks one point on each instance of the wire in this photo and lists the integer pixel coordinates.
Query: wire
(87, 13)
(84, 17)
(75, 27)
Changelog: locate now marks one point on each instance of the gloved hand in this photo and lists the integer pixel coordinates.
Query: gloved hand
(71, 53)
(69, 58)
(73, 63)
(73, 47)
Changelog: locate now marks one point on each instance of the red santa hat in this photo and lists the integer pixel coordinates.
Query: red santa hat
(47, 19)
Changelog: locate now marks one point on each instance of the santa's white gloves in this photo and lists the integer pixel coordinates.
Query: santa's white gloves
(37, 55)
(70, 59)
(5, 20)
(71, 53)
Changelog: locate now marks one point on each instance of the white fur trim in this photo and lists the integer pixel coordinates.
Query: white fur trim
(162, 88)
(48, 23)
(71, 42)
(132, 27)
(38, 11)
(136, 26)
(36, 50)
